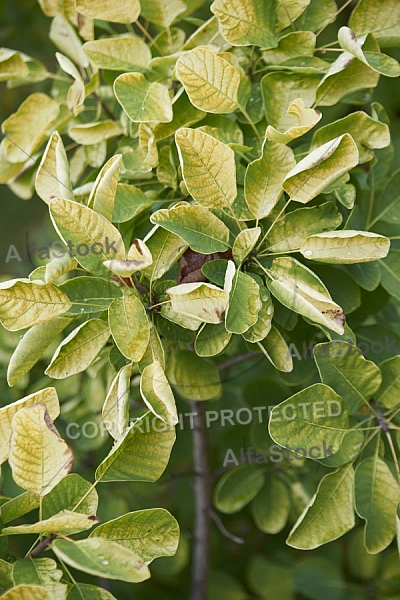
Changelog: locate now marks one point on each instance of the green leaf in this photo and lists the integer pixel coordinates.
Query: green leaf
(66, 39)
(276, 350)
(368, 133)
(102, 558)
(12, 65)
(24, 304)
(196, 225)
(264, 178)
(300, 290)
(157, 394)
(244, 244)
(210, 81)
(90, 294)
(119, 53)
(381, 63)
(84, 591)
(39, 458)
(193, 377)
(304, 120)
(244, 301)
(321, 579)
(129, 326)
(81, 226)
(103, 193)
(236, 488)
(142, 454)
(372, 17)
(142, 100)
(149, 533)
(322, 420)
(345, 247)
(387, 209)
(390, 273)
(204, 302)
(129, 203)
(52, 177)
(324, 165)
(270, 508)
(94, 133)
(26, 130)
(161, 13)
(47, 396)
(246, 22)
(66, 495)
(377, 495)
(330, 513)
(166, 248)
(388, 393)
(27, 592)
(115, 411)
(31, 347)
(125, 11)
(344, 369)
(212, 339)
(19, 506)
(266, 578)
(208, 168)
(292, 45)
(262, 327)
(154, 351)
(79, 349)
(290, 231)
(65, 522)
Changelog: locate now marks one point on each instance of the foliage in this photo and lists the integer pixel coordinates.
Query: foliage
(204, 201)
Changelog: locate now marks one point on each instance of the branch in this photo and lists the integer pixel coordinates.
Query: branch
(104, 106)
(237, 360)
(223, 530)
(201, 553)
(41, 546)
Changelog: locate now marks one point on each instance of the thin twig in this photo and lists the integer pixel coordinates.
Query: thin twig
(41, 546)
(201, 553)
(231, 362)
(223, 530)
(104, 106)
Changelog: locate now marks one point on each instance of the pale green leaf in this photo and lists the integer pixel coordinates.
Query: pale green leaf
(305, 119)
(197, 226)
(262, 327)
(47, 396)
(300, 290)
(103, 193)
(129, 202)
(162, 13)
(31, 346)
(12, 65)
(39, 458)
(65, 38)
(157, 394)
(210, 81)
(329, 515)
(381, 63)
(83, 228)
(264, 178)
(236, 488)
(166, 248)
(290, 231)
(377, 496)
(276, 350)
(84, 591)
(380, 18)
(60, 265)
(52, 178)
(389, 392)
(24, 304)
(345, 247)
(142, 454)
(390, 273)
(208, 168)
(342, 367)
(154, 351)
(79, 349)
(289, 11)
(125, 11)
(194, 378)
(204, 302)
(27, 592)
(94, 133)
(292, 45)
(270, 508)
(65, 522)
(102, 558)
(324, 165)
(90, 294)
(247, 22)
(119, 53)
(245, 243)
(26, 129)
(66, 495)
(19, 506)
(211, 339)
(244, 303)
(142, 100)
(40, 571)
(149, 533)
(129, 326)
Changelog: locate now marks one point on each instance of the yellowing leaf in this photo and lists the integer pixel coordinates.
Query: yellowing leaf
(244, 244)
(129, 326)
(23, 304)
(26, 130)
(204, 302)
(52, 178)
(115, 411)
(162, 13)
(102, 196)
(320, 168)
(380, 18)
(208, 168)
(65, 522)
(157, 394)
(210, 81)
(166, 248)
(244, 303)
(120, 53)
(39, 458)
(27, 592)
(47, 396)
(247, 22)
(125, 11)
(94, 133)
(276, 350)
(195, 378)
(139, 257)
(305, 119)
(143, 100)
(264, 178)
(79, 349)
(386, 65)
(65, 38)
(345, 247)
